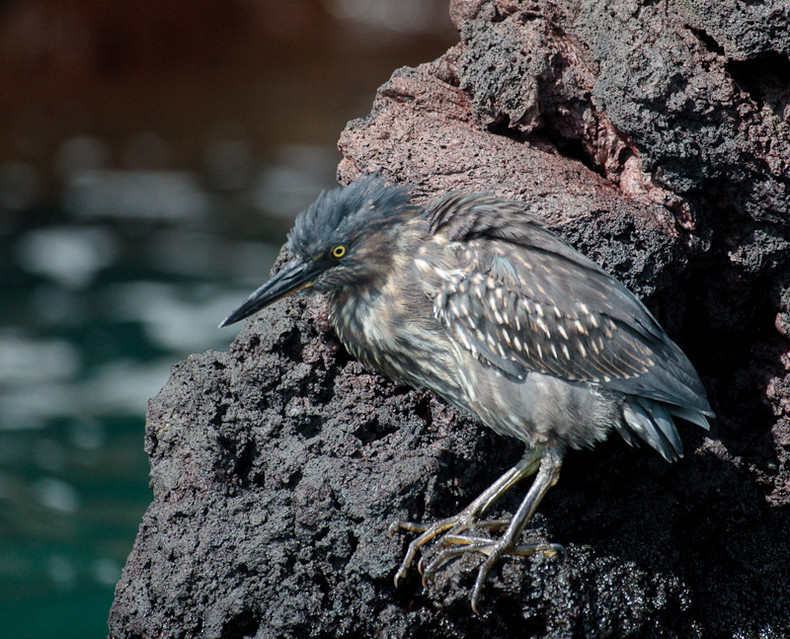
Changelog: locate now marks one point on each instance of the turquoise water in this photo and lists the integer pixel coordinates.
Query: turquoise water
(72, 499)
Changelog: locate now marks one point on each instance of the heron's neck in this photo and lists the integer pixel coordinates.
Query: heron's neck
(370, 314)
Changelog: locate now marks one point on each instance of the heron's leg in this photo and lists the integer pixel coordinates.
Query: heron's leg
(527, 466)
(547, 476)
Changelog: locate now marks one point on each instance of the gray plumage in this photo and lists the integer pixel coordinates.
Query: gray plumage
(475, 300)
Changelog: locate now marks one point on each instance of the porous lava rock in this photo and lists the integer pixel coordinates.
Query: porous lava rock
(652, 135)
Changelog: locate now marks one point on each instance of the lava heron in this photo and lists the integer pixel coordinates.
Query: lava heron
(475, 300)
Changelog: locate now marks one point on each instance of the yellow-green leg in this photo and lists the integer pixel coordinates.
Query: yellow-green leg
(546, 463)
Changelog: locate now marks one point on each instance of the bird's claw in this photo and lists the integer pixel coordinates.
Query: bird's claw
(453, 545)
(455, 524)
(454, 541)
(410, 526)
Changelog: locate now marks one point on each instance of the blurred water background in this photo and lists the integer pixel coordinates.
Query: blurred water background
(152, 158)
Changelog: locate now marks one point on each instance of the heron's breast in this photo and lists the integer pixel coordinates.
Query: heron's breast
(392, 329)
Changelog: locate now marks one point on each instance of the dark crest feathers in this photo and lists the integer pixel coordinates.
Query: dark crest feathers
(339, 213)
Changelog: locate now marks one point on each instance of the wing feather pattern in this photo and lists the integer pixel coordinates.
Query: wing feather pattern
(551, 310)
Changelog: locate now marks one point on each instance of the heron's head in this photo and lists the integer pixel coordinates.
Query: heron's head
(344, 239)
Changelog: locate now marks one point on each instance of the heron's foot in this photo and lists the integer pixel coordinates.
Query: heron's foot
(454, 542)
(450, 525)
(454, 546)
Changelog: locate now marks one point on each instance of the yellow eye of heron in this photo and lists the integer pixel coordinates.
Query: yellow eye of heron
(339, 251)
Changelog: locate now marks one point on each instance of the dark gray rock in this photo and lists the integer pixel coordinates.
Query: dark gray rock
(654, 137)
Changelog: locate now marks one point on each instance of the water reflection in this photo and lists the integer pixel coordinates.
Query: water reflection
(141, 195)
(68, 255)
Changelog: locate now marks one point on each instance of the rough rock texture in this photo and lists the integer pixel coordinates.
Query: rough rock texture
(653, 135)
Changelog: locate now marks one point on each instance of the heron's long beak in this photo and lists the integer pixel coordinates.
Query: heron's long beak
(293, 277)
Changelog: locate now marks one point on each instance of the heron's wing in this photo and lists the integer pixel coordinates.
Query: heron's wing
(523, 300)
(510, 327)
